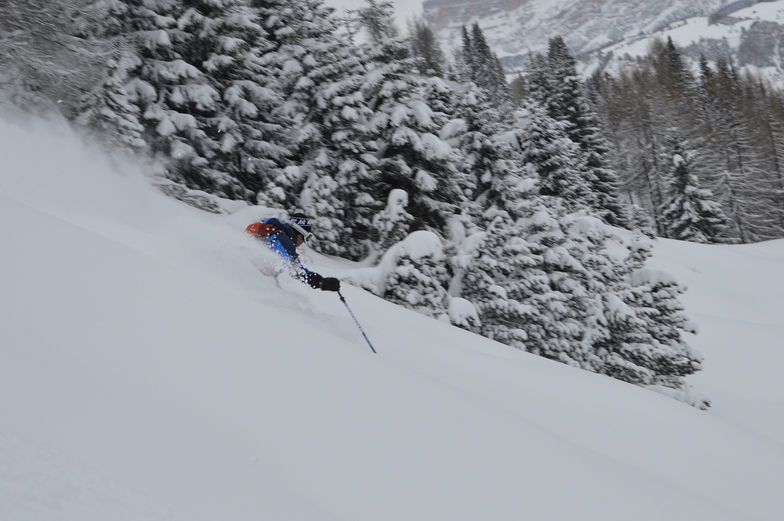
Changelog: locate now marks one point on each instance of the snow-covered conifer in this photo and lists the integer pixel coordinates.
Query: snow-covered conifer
(411, 154)
(242, 135)
(501, 262)
(484, 66)
(419, 277)
(173, 93)
(425, 46)
(108, 114)
(690, 213)
(320, 77)
(473, 131)
(561, 90)
(394, 222)
(547, 153)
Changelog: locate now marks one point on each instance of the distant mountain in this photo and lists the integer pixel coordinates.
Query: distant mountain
(606, 33)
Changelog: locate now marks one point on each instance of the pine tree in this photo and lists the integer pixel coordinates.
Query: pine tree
(419, 277)
(647, 323)
(518, 89)
(394, 221)
(690, 213)
(538, 79)
(377, 19)
(474, 130)
(485, 67)
(199, 100)
(548, 154)
(502, 260)
(540, 293)
(321, 80)
(461, 70)
(240, 135)
(425, 47)
(562, 93)
(672, 69)
(173, 93)
(525, 277)
(108, 114)
(411, 154)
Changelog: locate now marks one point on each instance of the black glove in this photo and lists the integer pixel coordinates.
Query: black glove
(330, 284)
(314, 280)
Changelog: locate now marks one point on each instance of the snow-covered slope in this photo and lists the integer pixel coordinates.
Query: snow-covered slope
(516, 27)
(752, 37)
(148, 371)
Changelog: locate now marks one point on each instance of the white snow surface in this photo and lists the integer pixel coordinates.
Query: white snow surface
(149, 371)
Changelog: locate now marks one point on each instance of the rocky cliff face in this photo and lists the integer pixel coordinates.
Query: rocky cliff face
(606, 33)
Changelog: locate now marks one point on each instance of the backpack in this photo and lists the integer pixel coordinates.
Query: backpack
(261, 230)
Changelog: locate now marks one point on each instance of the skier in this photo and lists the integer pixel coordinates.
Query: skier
(284, 238)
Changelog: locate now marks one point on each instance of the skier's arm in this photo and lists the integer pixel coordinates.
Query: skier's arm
(279, 242)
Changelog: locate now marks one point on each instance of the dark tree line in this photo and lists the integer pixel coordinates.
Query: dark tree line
(703, 148)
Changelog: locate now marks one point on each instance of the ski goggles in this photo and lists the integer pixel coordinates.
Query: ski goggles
(306, 235)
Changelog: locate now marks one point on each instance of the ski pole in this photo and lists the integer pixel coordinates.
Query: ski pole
(343, 299)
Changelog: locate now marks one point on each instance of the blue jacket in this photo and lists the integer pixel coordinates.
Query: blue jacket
(284, 243)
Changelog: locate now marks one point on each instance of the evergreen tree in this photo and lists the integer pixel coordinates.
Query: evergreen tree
(500, 261)
(468, 124)
(474, 132)
(394, 222)
(174, 94)
(377, 19)
(525, 276)
(484, 66)
(672, 68)
(243, 137)
(462, 67)
(518, 89)
(548, 154)
(563, 95)
(321, 78)
(538, 79)
(411, 154)
(107, 112)
(425, 47)
(540, 291)
(419, 277)
(647, 324)
(690, 213)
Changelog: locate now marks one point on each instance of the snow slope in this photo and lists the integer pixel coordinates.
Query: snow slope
(751, 36)
(148, 371)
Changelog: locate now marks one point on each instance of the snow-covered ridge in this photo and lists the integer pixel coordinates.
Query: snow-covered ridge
(516, 28)
(752, 37)
(609, 33)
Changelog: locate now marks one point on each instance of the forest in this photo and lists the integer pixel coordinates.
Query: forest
(539, 198)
